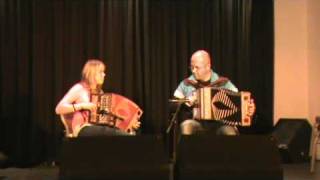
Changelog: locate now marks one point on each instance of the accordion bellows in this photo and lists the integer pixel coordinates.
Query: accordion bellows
(222, 105)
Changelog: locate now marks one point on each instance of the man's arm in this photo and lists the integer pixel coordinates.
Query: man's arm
(180, 92)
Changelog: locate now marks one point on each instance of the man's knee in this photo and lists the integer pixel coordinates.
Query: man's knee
(190, 126)
(228, 130)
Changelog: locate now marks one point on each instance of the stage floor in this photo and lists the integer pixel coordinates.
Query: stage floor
(296, 171)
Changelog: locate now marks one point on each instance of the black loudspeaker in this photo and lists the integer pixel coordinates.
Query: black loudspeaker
(293, 139)
(228, 158)
(115, 157)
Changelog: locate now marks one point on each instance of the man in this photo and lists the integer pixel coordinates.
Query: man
(202, 76)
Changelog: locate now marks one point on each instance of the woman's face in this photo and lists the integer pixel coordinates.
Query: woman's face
(100, 74)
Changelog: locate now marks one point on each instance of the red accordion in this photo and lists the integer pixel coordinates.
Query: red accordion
(223, 105)
(115, 110)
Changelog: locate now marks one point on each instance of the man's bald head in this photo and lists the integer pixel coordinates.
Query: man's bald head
(201, 65)
(201, 56)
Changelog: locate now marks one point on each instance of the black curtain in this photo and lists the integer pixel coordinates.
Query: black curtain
(146, 46)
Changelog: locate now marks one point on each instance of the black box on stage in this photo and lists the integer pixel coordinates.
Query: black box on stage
(115, 157)
(293, 139)
(228, 157)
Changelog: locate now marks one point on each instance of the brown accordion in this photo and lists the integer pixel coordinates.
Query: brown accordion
(222, 105)
(115, 110)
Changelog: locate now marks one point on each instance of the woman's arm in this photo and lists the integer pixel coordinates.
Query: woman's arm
(68, 103)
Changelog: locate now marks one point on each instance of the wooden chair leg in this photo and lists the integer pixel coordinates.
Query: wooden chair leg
(314, 152)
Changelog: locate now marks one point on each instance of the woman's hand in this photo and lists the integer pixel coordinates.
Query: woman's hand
(136, 125)
(85, 106)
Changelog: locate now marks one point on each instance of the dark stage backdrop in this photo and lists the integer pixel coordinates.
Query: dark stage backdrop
(146, 46)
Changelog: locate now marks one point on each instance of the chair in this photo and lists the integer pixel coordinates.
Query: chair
(67, 132)
(315, 142)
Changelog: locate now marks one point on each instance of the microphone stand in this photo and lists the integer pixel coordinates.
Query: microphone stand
(173, 123)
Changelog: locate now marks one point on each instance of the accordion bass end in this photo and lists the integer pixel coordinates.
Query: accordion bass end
(223, 105)
(115, 110)
(245, 99)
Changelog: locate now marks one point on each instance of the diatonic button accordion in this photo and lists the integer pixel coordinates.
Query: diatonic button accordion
(115, 110)
(223, 105)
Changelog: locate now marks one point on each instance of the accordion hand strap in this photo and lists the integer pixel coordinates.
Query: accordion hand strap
(217, 83)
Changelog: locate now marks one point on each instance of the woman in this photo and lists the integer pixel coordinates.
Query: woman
(75, 106)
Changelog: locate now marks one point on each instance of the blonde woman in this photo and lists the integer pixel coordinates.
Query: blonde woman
(75, 106)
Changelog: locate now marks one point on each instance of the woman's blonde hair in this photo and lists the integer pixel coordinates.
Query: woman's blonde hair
(90, 70)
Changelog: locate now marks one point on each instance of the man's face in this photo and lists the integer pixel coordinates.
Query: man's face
(200, 67)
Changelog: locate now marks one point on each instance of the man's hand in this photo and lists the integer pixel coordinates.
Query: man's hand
(192, 99)
(251, 108)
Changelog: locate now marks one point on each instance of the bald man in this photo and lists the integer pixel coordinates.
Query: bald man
(202, 76)
(202, 73)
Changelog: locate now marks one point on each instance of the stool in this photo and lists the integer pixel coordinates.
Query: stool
(315, 142)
